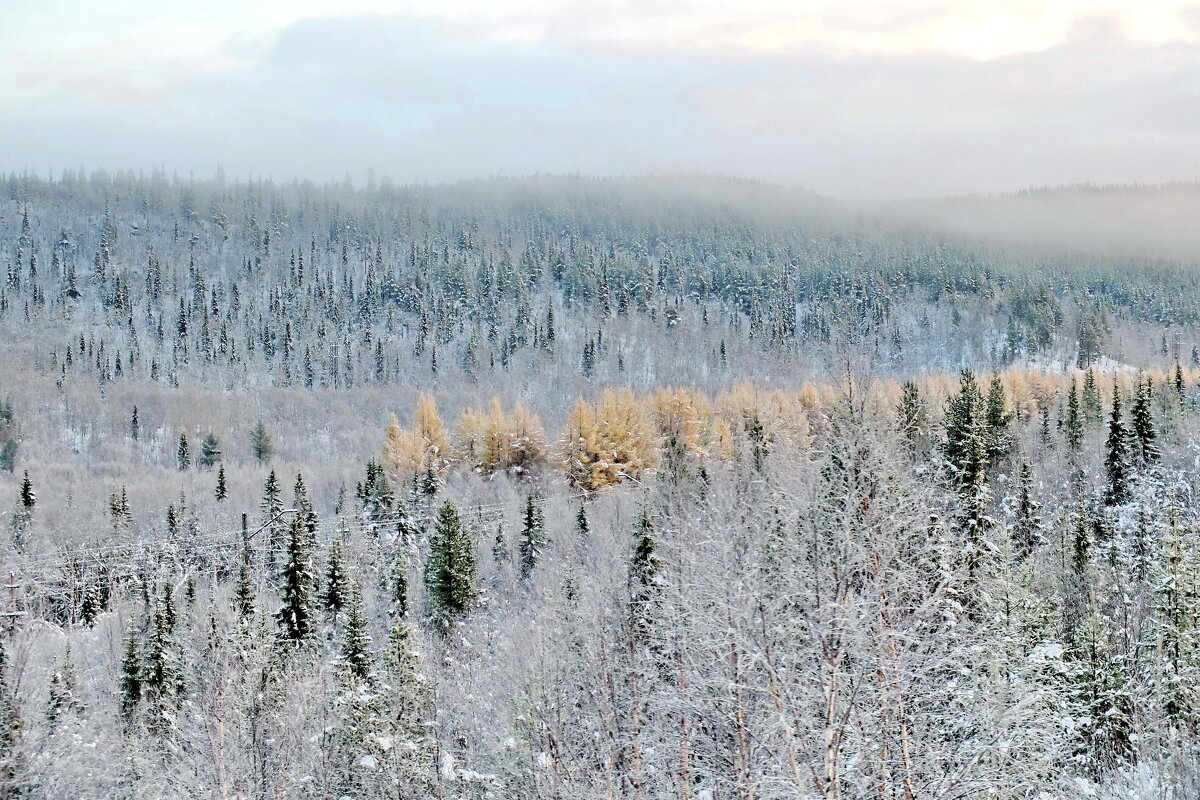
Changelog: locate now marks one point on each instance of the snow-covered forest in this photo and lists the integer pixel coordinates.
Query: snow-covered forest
(577, 488)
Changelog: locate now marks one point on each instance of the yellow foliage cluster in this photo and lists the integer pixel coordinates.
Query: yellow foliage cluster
(418, 448)
(681, 415)
(622, 435)
(492, 440)
(606, 443)
(783, 415)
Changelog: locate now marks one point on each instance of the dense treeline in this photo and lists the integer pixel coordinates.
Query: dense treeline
(570, 489)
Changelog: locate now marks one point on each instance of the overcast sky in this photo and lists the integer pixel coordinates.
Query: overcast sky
(855, 99)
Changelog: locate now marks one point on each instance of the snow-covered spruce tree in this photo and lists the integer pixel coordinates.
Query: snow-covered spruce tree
(1027, 529)
(1073, 424)
(374, 493)
(295, 615)
(1141, 423)
(408, 698)
(183, 454)
(1116, 456)
(27, 498)
(163, 675)
(965, 421)
(533, 537)
(999, 419)
(261, 445)
(582, 527)
(304, 509)
(1093, 408)
(449, 570)
(361, 733)
(131, 673)
(643, 575)
(272, 518)
(1177, 626)
(243, 591)
(336, 587)
(222, 491)
(398, 584)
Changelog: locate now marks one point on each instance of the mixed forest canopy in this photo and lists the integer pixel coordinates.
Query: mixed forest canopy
(564, 487)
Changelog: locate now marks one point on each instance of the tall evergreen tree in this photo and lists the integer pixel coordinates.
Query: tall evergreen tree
(400, 585)
(999, 421)
(296, 586)
(222, 491)
(183, 453)
(643, 573)
(356, 641)
(1116, 458)
(334, 592)
(272, 510)
(976, 496)
(131, 672)
(966, 430)
(450, 569)
(533, 537)
(243, 593)
(261, 445)
(304, 508)
(582, 527)
(1093, 408)
(1141, 421)
(1027, 527)
(28, 498)
(1073, 425)
(162, 684)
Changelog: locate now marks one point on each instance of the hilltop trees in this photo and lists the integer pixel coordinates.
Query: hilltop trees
(862, 575)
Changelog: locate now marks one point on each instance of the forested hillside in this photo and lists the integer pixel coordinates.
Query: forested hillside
(580, 488)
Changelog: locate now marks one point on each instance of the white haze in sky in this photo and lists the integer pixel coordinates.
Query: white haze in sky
(854, 99)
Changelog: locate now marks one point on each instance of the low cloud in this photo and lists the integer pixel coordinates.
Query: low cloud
(423, 99)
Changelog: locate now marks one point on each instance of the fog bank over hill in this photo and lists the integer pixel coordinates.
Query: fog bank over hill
(1124, 220)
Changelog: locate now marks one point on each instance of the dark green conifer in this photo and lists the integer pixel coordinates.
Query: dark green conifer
(210, 451)
(450, 569)
(183, 453)
(533, 537)
(1027, 527)
(1073, 424)
(1141, 421)
(356, 641)
(643, 573)
(296, 583)
(261, 446)
(1116, 458)
(334, 592)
